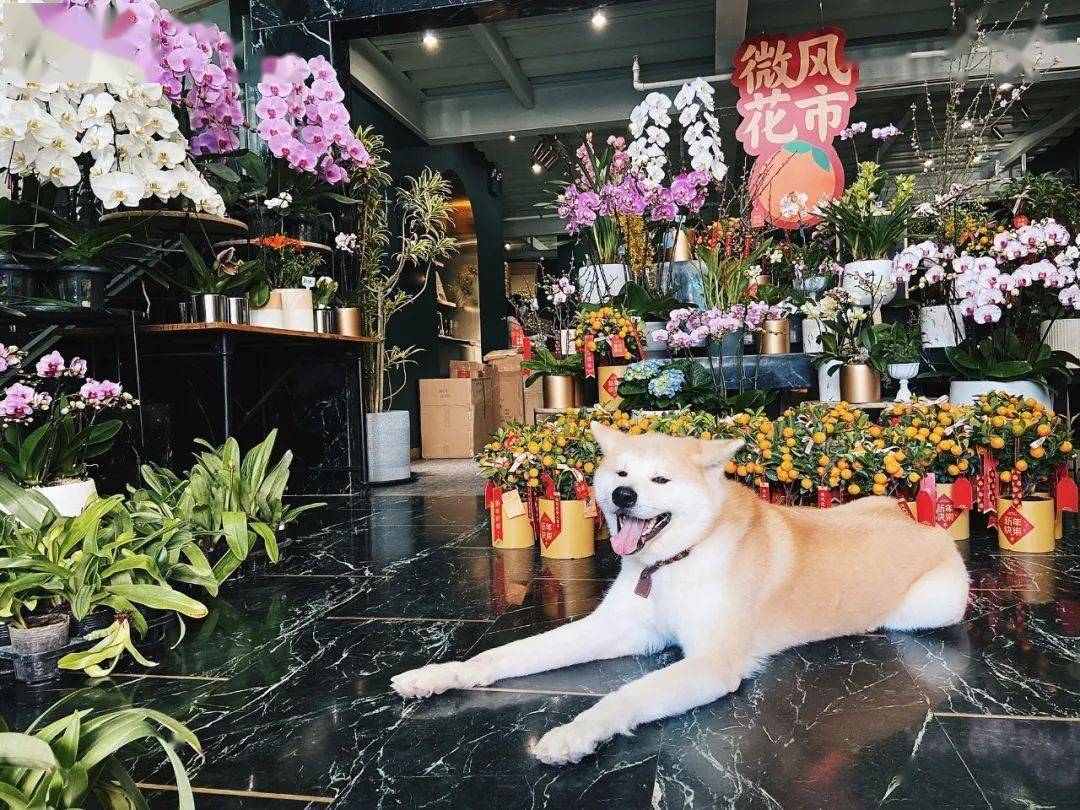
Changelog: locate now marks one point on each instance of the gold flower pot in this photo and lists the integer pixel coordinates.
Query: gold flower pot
(1028, 528)
(559, 391)
(608, 378)
(775, 337)
(859, 383)
(348, 321)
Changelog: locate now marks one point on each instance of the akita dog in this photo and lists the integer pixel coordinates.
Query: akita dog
(709, 566)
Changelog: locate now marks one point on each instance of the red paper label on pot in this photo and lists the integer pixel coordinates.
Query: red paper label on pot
(551, 527)
(611, 384)
(945, 511)
(1014, 525)
(824, 498)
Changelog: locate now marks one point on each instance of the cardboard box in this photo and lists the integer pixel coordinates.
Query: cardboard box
(512, 400)
(455, 417)
(467, 369)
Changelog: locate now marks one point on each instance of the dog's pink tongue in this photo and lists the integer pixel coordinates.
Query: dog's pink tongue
(625, 541)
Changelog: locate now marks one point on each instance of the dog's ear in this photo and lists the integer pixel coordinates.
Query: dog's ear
(717, 452)
(607, 438)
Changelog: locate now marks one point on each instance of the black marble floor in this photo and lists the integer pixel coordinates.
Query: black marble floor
(287, 685)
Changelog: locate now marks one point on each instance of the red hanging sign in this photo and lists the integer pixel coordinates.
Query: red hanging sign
(551, 525)
(961, 493)
(517, 335)
(925, 500)
(590, 358)
(618, 346)
(824, 498)
(526, 349)
(763, 492)
(1065, 494)
(795, 96)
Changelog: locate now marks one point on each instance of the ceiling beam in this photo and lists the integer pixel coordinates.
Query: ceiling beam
(1063, 114)
(373, 71)
(730, 32)
(495, 47)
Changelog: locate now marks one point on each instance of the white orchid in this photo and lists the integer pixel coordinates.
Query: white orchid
(657, 136)
(58, 166)
(118, 188)
(166, 154)
(160, 121)
(94, 107)
(689, 115)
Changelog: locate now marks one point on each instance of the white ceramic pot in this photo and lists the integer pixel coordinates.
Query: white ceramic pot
(964, 392)
(267, 317)
(829, 384)
(1062, 335)
(902, 372)
(870, 282)
(296, 308)
(654, 349)
(811, 336)
(388, 441)
(598, 283)
(69, 499)
(938, 329)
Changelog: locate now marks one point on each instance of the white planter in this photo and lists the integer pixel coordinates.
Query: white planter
(388, 442)
(598, 283)
(964, 392)
(654, 349)
(938, 329)
(811, 336)
(567, 346)
(296, 307)
(267, 317)
(829, 384)
(902, 372)
(69, 499)
(870, 282)
(1063, 335)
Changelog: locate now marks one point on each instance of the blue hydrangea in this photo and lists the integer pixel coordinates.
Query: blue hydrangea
(644, 370)
(667, 384)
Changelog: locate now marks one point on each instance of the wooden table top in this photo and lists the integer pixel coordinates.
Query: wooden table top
(247, 329)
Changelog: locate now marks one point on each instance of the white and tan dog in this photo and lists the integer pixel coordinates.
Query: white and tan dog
(727, 577)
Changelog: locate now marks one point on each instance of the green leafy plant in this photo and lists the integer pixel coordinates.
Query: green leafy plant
(1002, 357)
(226, 495)
(73, 761)
(863, 346)
(322, 294)
(873, 215)
(1038, 196)
(661, 385)
(900, 342)
(546, 363)
(636, 300)
(226, 275)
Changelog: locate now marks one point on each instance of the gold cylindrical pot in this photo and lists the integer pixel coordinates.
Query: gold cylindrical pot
(559, 391)
(775, 337)
(1028, 528)
(957, 522)
(568, 536)
(510, 532)
(607, 381)
(859, 383)
(348, 321)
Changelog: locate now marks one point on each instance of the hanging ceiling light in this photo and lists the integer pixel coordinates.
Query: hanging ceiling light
(512, 138)
(430, 40)
(599, 19)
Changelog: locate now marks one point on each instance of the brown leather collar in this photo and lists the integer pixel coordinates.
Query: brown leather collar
(644, 583)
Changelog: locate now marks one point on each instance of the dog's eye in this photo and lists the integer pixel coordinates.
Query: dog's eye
(621, 473)
(660, 480)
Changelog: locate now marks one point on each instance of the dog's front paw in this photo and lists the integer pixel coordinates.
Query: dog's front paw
(434, 679)
(572, 742)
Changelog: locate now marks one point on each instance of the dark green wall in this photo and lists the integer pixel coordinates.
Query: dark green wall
(416, 325)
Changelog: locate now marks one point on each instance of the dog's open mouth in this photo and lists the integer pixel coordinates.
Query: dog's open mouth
(634, 532)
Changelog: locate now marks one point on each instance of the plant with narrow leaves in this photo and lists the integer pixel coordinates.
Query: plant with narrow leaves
(72, 762)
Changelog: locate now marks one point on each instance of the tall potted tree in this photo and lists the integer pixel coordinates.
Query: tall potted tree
(418, 218)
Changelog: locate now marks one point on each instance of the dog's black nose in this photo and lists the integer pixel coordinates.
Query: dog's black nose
(624, 497)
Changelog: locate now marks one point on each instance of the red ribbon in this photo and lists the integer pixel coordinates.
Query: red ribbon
(1065, 492)
(763, 492)
(926, 499)
(824, 498)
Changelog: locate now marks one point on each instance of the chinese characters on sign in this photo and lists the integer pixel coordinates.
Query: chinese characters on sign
(795, 96)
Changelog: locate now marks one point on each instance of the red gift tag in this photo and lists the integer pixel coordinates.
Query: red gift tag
(824, 498)
(618, 346)
(925, 500)
(517, 335)
(1065, 493)
(763, 492)
(961, 493)
(1013, 525)
(526, 349)
(590, 361)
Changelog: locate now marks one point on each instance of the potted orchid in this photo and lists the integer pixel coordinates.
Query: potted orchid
(322, 298)
(870, 219)
(53, 428)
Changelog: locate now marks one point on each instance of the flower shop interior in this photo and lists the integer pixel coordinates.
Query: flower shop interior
(310, 311)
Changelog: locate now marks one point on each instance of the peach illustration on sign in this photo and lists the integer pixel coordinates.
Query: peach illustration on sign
(796, 168)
